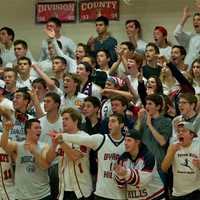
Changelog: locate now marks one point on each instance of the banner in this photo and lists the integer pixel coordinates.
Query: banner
(90, 10)
(65, 11)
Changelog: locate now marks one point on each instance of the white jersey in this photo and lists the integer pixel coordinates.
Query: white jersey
(108, 154)
(75, 175)
(142, 180)
(7, 177)
(186, 175)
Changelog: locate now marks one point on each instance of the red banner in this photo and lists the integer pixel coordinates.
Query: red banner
(90, 10)
(65, 11)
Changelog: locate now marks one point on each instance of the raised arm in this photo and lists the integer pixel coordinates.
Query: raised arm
(116, 64)
(171, 151)
(53, 150)
(36, 103)
(71, 63)
(91, 141)
(126, 94)
(183, 82)
(182, 37)
(9, 146)
(142, 92)
(50, 83)
(6, 113)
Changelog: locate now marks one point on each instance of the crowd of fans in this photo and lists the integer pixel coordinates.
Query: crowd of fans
(102, 120)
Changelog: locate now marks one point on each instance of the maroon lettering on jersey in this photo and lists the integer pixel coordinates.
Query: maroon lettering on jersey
(83, 149)
(107, 174)
(111, 156)
(60, 152)
(4, 157)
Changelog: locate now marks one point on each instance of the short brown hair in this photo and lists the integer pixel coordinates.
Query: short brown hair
(76, 79)
(189, 97)
(74, 114)
(9, 69)
(138, 59)
(120, 98)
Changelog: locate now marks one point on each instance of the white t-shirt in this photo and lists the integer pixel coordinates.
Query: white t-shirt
(191, 42)
(134, 85)
(141, 46)
(6, 103)
(186, 175)
(166, 52)
(46, 127)
(7, 55)
(27, 83)
(46, 67)
(74, 102)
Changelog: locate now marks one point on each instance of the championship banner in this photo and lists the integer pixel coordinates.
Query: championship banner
(90, 10)
(65, 11)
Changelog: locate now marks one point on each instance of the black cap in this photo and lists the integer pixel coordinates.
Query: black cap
(135, 134)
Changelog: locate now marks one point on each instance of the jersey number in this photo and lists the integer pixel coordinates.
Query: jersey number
(7, 174)
(111, 166)
(80, 168)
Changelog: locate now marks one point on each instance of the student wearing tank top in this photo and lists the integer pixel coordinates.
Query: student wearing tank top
(31, 174)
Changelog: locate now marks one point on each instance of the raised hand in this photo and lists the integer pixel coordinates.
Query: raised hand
(56, 137)
(186, 12)
(161, 60)
(173, 148)
(148, 121)
(91, 41)
(8, 125)
(197, 4)
(142, 112)
(119, 169)
(33, 94)
(119, 51)
(196, 163)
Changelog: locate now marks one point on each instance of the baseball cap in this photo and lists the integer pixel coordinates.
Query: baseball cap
(133, 133)
(162, 29)
(189, 126)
